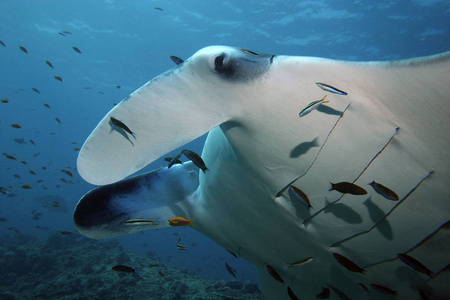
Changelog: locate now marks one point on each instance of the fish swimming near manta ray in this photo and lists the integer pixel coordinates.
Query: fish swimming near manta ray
(392, 125)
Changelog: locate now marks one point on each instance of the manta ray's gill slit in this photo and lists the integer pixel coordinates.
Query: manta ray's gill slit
(357, 177)
(379, 152)
(338, 243)
(315, 158)
(444, 226)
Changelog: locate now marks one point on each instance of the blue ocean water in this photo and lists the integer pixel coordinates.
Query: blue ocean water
(124, 44)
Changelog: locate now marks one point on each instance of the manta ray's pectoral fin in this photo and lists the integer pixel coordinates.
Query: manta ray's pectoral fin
(139, 203)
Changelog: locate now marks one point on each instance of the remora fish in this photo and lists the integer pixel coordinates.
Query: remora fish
(122, 125)
(140, 222)
(331, 89)
(312, 106)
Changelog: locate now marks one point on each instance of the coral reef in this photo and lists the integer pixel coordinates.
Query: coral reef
(69, 266)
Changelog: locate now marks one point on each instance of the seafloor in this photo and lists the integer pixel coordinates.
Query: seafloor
(69, 266)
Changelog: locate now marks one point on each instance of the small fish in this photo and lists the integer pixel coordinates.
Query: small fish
(159, 8)
(23, 49)
(27, 187)
(39, 181)
(179, 221)
(46, 105)
(384, 191)
(274, 274)
(49, 64)
(76, 149)
(67, 172)
(324, 294)
(196, 159)
(66, 32)
(17, 176)
(291, 294)
(329, 88)
(59, 78)
(246, 51)
(23, 162)
(176, 59)
(136, 222)
(118, 86)
(56, 204)
(300, 196)
(64, 232)
(32, 142)
(36, 154)
(300, 262)
(63, 180)
(4, 100)
(10, 156)
(413, 263)
(58, 120)
(76, 49)
(230, 270)
(382, 289)
(3, 44)
(123, 268)
(348, 264)
(232, 253)
(161, 274)
(36, 90)
(364, 287)
(174, 160)
(423, 295)
(180, 246)
(348, 188)
(15, 125)
(122, 125)
(312, 106)
(3, 220)
(20, 141)
(32, 172)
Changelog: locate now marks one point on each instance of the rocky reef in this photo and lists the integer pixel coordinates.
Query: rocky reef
(69, 266)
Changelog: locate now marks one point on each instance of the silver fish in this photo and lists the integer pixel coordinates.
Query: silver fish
(331, 89)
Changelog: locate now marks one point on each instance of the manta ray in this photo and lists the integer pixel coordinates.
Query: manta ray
(386, 122)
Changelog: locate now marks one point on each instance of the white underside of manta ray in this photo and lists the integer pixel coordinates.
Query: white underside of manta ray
(391, 127)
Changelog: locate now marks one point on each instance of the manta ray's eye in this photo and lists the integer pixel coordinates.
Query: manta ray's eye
(223, 64)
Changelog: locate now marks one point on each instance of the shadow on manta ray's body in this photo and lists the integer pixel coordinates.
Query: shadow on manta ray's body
(386, 122)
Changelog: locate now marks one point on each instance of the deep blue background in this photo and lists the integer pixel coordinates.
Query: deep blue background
(127, 43)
